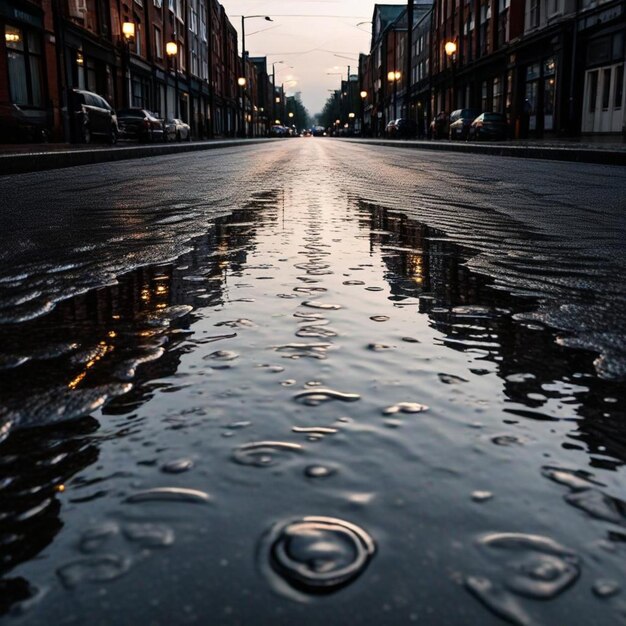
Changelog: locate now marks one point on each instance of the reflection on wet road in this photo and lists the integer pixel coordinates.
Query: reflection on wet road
(317, 413)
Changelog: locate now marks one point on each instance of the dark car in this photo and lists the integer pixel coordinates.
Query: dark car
(93, 117)
(22, 122)
(460, 122)
(489, 126)
(177, 130)
(391, 129)
(406, 129)
(140, 125)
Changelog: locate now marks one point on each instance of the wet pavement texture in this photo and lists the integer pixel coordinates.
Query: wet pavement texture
(313, 383)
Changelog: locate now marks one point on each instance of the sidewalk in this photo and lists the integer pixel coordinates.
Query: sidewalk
(22, 158)
(584, 150)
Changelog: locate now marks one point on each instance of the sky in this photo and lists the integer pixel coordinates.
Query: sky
(313, 38)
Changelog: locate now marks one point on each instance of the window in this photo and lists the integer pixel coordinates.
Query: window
(534, 14)
(497, 95)
(24, 66)
(171, 5)
(158, 43)
(158, 3)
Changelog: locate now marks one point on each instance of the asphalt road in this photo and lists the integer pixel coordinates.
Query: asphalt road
(313, 382)
(547, 229)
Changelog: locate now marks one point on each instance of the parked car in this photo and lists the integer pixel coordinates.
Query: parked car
(279, 131)
(406, 129)
(489, 126)
(319, 131)
(177, 130)
(460, 121)
(140, 125)
(18, 123)
(92, 117)
(439, 127)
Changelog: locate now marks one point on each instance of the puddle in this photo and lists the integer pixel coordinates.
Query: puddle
(421, 436)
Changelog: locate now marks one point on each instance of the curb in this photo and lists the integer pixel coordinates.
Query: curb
(556, 153)
(40, 161)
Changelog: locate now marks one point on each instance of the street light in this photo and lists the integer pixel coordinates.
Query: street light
(450, 49)
(393, 77)
(244, 64)
(171, 49)
(128, 31)
(363, 95)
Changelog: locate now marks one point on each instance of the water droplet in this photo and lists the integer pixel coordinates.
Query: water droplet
(450, 379)
(379, 347)
(265, 453)
(353, 282)
(405, 407)
(319, 471)
(170, 494)
(374, 289)
(177, 466)
(95, 569)
(507, 440)
(482, 496)
(379, 318)
(316, 304)
(316, 555)
(314, 397)
(410, 340)
(605, 588)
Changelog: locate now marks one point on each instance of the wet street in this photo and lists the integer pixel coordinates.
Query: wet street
(313, 382)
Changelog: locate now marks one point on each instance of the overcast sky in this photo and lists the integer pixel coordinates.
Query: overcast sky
(306, 34)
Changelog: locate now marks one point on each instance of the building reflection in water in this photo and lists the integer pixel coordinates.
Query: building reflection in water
(474, 316)
(130, 332)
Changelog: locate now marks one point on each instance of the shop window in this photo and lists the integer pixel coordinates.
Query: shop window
(606, 88)
(24, 66)
(619, 86)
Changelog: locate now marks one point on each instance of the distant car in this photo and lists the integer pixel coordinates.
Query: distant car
(460, 121)
(139, 125)
(319, 131)
(489, 126)
(279, 131)
(92, 117)
(177, 130)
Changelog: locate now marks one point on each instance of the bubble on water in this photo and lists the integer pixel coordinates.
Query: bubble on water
(315, 555)
(507, 440)
(482, 496)
(265, 453)
(96, 536)
(410, 340)
(379, 318)
(326, 306)
(374, 289)
(170, 494)
(531, 566)
(96, 569)
(290, 382)
(599, 505)
(605, 588)
(149, 535)
(316, 396)
(451, 379)
(177, 466)
(222, 355)
(353, 282)
(405, 407)
(319, 431)
(319, 471)
(272, 369)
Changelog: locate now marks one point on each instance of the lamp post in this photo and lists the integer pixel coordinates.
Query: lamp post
(241, 81)
(363, 95)
(393, 77)
(128, 31)
(450, 49)
(171, 50)
(244, 64)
